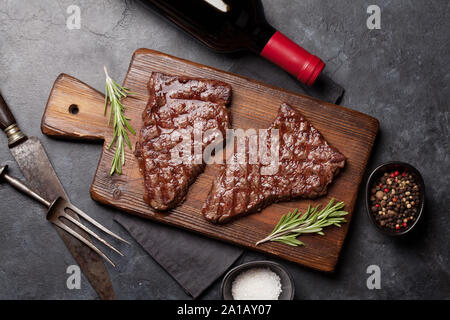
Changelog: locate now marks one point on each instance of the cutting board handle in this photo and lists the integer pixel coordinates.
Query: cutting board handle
(74, 111)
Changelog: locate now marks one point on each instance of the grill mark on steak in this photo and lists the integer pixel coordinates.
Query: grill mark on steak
(174, 105)
(307, 165)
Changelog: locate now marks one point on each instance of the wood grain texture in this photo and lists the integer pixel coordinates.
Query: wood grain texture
(254, 105)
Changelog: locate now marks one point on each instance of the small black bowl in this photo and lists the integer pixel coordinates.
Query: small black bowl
(287, 284)
(401, 167)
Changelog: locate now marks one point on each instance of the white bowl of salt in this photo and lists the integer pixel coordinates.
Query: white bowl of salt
(258, 280)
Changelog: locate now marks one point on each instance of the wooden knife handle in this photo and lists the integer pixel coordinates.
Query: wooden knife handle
(6, 117)
(8, 124)
(74, 111)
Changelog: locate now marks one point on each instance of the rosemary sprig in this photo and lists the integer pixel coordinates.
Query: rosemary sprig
(113, 95)
(293, 224)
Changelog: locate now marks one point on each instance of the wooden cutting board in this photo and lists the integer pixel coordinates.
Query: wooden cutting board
(75, 110)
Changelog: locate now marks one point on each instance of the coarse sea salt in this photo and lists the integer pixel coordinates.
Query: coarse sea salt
(256, 284)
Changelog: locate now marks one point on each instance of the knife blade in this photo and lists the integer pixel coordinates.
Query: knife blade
(38, 171)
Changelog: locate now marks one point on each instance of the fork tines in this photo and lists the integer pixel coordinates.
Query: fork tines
(59, 211)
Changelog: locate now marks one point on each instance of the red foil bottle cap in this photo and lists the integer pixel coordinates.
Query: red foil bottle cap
(294, 59)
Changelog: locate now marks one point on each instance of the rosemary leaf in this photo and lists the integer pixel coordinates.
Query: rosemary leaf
(293, 224)
(113, 95)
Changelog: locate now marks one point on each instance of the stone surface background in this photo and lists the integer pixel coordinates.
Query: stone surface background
(399, 74)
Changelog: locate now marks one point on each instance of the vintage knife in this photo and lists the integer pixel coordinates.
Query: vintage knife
(38, 171)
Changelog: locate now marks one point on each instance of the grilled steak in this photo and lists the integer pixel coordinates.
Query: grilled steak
(175, 107)
(306, 166)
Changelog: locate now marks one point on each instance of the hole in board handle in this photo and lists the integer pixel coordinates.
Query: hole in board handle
(73, 109)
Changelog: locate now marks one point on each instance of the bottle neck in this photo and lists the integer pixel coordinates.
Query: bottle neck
(285, 53)
(260, 36)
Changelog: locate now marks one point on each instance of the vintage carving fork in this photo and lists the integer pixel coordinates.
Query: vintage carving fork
(56, 211)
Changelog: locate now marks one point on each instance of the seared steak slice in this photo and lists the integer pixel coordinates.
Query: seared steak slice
(176, 106)
(306, 166)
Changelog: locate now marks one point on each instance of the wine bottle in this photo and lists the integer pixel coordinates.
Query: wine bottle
(233, 25)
